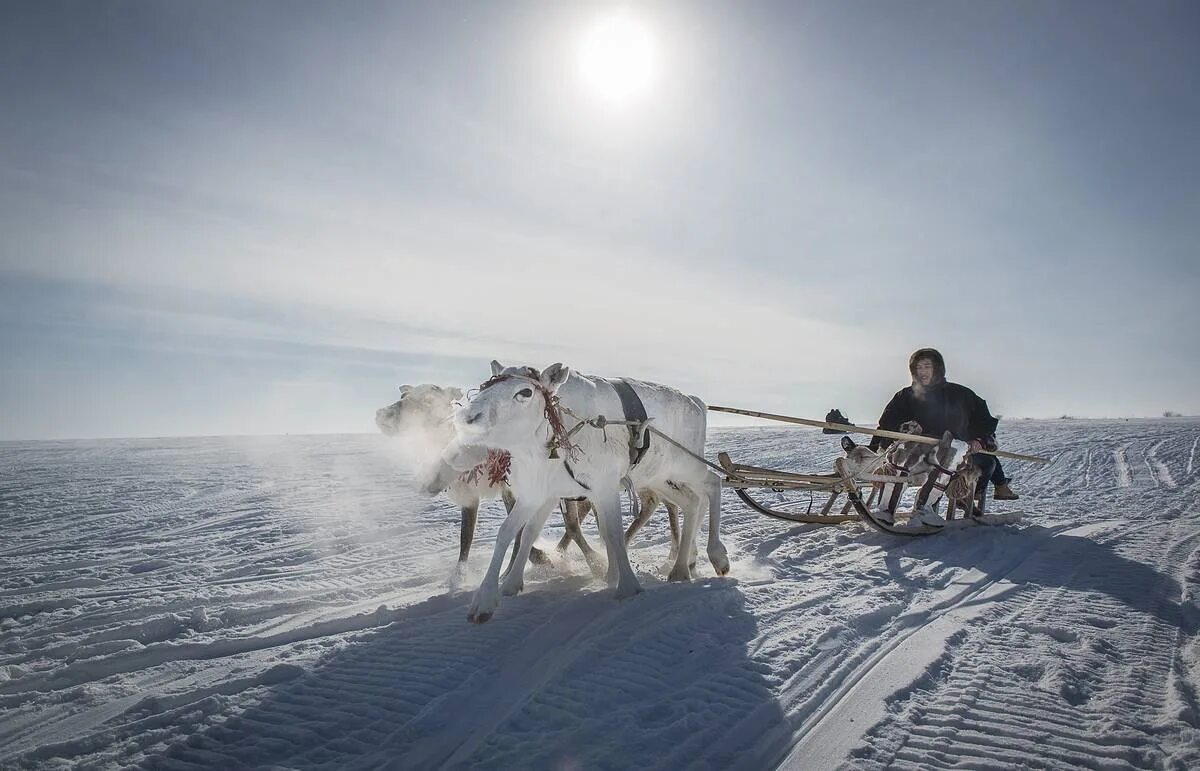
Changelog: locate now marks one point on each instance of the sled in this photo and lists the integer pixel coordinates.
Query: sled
(814, 498)
(742, 479)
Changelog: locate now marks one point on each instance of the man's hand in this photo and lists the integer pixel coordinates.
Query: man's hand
(976, 445)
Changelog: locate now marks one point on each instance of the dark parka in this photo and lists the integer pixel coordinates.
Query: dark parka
(938, 407)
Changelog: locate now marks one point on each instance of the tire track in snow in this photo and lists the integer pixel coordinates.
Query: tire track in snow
(1158, 469)
(1192, 456)
(1124, 478)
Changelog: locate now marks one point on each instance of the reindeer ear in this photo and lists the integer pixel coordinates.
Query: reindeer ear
(554, 376)
(405, 389)
(848, 444)
(947, 439)
(497, 367)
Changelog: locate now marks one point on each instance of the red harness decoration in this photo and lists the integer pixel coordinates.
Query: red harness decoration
(496, 467)
(560, 437)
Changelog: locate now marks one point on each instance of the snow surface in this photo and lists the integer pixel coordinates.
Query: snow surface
(285, 602)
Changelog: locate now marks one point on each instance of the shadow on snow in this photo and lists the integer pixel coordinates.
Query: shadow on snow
(558, 679)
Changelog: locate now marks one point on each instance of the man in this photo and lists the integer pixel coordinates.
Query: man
(941, 406)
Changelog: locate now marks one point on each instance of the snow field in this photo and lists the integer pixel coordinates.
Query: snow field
(249, 602)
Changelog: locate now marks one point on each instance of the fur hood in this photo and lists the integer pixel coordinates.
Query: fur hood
(939, 367)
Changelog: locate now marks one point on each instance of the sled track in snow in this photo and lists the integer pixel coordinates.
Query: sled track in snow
(1080, 686)
(1158, 470)
(859, 690)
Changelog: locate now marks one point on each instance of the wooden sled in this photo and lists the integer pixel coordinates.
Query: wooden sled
(801, 491)
(742, 478)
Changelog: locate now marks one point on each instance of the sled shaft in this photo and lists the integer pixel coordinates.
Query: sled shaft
(851, 428)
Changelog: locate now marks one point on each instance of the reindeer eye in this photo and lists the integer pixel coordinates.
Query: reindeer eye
(525, 393)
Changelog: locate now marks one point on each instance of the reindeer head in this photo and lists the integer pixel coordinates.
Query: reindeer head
(918, 457)
(424, 408)
(511, 410)
(860, 459)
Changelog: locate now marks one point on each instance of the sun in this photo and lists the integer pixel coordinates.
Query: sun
(617, 57)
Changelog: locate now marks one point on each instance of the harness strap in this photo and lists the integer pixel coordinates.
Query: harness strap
(943, 469)
(635, 416)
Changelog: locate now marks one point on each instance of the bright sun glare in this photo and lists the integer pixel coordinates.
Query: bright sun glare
(617, 57)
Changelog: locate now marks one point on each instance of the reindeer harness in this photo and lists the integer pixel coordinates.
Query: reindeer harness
(560, 437)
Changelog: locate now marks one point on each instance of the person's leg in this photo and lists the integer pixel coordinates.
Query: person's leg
(1000, 480)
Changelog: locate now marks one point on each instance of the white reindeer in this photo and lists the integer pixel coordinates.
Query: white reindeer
(527, 412)
(423, 415)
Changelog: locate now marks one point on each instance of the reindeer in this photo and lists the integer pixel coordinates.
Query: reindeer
(910, 462)
(960, 490)
(525, 411)
(423, 415)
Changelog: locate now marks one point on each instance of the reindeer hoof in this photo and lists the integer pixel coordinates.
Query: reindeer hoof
(478, 618)
(625, 592)
(538, 557)
(512, 588)
(720, 563)
(679, 574)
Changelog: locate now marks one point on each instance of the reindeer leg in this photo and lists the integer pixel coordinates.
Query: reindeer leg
(567, 512)
(466, 531)
(573, 514)
(510, 503)
(574, 519)
(574, 533)
(514, 580)
(516, 549)
(684, 558)
(537, 556)
(487, 596)
(647, 506)
(608, 515)
(717, 553)
(673, 524)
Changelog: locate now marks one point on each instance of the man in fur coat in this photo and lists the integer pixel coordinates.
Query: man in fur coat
(940, 406)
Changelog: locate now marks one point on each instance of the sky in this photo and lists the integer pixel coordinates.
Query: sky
(264, 217)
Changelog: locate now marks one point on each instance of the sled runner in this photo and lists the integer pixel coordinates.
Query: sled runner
(935, 469)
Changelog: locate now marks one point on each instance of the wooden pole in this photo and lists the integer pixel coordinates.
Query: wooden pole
(853, 429)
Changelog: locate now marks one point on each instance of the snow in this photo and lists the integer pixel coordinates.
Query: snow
(288, 602)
